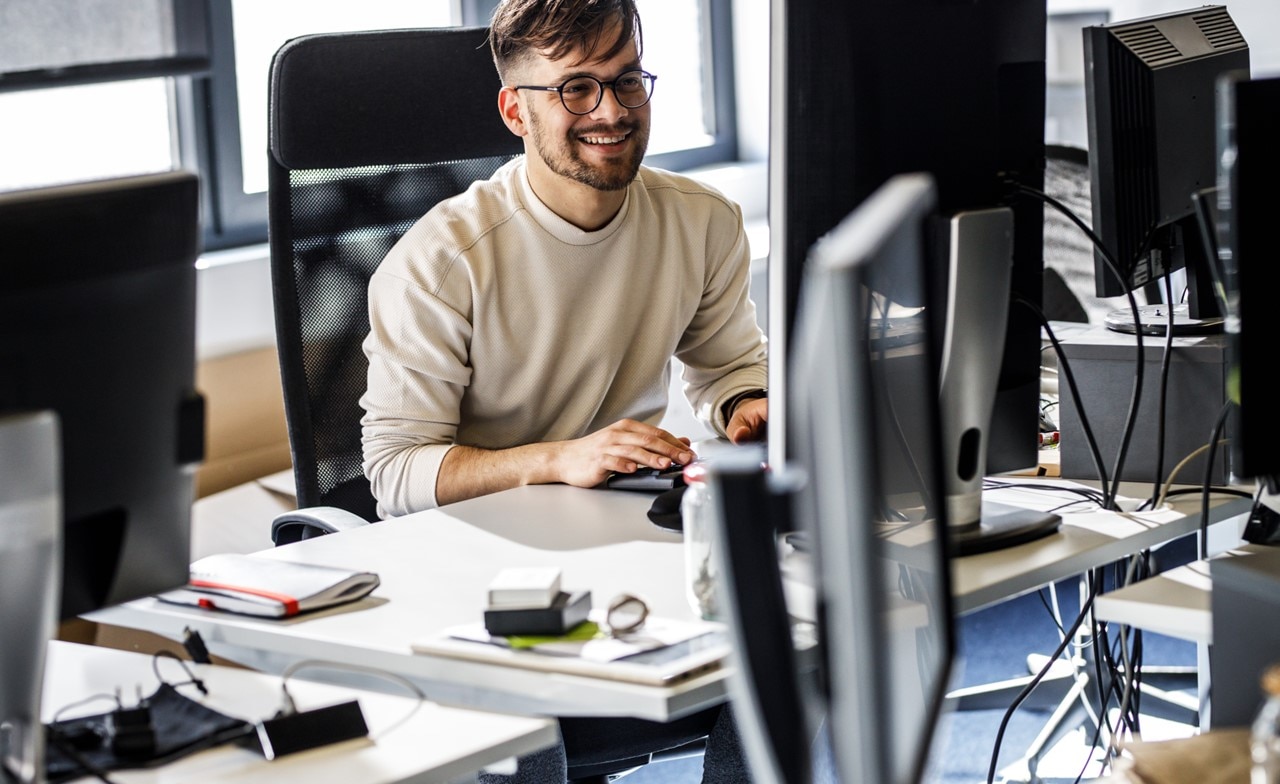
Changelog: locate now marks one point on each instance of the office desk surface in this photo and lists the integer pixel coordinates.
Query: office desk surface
(1177, 603)
(1086, 540)
(435, 567)
(408, 742)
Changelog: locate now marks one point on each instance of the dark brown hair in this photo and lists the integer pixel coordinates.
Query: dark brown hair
(521, 28)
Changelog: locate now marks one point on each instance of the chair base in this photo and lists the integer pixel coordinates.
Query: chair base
(1068, 689)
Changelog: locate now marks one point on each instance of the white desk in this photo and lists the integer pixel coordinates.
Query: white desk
(435, 566)
(408, 741)
(1086, 540)
(1177, 603)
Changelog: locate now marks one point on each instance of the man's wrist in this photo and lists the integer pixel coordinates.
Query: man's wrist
(731, 404)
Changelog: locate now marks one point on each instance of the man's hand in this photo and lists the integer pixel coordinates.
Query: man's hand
(748, 421)
(622, 447)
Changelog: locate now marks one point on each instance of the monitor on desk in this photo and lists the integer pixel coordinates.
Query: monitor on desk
(1150, 86)
(1249, 201)
(956, 90)
(97, 327)
(865, 485)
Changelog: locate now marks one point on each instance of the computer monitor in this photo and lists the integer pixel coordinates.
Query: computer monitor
(97, 328)
(865, 484)
(864, 91)
(30, 573)
(1149, 87)
(1248, 206)
(97, 323)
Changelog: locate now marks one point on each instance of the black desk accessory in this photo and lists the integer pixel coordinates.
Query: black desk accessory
(648, 479)
(310, 729)
(664, 512)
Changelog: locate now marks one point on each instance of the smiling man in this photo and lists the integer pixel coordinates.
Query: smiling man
(523, 331)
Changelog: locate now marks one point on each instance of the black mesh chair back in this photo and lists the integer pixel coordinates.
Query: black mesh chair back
(368, 131)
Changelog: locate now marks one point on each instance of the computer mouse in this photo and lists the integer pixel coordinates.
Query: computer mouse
(665, 509)
(648, 479)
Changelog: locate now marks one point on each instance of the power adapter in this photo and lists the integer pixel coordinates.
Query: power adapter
(310, 729)
(132, 734)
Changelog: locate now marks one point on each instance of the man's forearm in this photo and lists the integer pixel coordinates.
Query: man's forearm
(468, 472)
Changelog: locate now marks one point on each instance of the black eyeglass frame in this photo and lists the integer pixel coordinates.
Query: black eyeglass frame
(612, 84)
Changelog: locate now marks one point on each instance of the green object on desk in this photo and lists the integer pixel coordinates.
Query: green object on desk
(587, 630)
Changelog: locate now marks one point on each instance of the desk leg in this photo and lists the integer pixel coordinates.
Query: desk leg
(1202, 684)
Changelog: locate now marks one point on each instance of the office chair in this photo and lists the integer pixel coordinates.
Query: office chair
(368, 131)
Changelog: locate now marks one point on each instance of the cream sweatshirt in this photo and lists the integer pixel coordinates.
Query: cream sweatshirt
(495, 323)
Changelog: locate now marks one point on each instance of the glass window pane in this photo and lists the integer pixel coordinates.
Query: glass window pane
(70, 134)
(673, 48)
(262, 28)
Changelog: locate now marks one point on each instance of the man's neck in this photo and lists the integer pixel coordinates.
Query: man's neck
(585, 207)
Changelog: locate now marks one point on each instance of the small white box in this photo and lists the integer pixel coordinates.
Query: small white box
(532, 586)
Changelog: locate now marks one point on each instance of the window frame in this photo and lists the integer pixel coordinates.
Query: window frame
(207, 119)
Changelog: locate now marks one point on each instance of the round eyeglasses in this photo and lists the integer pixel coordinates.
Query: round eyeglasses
(582, 94)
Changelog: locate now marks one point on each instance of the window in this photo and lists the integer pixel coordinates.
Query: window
(108, 89)
(114, 144)
(87, 87)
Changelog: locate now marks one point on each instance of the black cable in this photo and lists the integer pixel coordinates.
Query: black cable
(192, 679)
(54, 735)
(1035, 681)
(1126, 434)
(101, 696)
(289, 707)
(1064, 369)
(1162, 391)
(1208, 479)
(1109, 260)
(1087, 493)
(1099, 653)
(1049, 610)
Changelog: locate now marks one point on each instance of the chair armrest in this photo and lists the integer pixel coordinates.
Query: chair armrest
(299, 524)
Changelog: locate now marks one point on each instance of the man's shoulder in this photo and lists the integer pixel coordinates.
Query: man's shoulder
(662, 184)
(469, 215)
(429, 249)
(484, 201)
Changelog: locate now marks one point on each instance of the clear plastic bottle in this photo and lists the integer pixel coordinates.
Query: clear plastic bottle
(1265, 742)
(695, 514)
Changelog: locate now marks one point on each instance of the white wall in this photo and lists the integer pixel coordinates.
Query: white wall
(1258, 20)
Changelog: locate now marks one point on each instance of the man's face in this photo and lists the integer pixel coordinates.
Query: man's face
(602, 149)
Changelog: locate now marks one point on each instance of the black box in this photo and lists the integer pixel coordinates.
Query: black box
(566, 612)
(1246, 634)
(1103, 363)
(310, 729)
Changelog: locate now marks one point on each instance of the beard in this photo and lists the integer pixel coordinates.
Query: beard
(561, 154)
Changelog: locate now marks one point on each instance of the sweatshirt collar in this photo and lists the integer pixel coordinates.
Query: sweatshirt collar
(562, 229)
